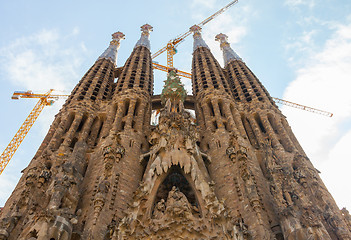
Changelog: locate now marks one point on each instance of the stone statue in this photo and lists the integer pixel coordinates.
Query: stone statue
(7, 224)
(178, 204)
(160, 209)
(64, 190)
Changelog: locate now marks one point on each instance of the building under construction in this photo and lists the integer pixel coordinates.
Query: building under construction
(233, 171)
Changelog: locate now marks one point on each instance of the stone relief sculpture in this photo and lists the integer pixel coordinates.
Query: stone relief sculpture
(174, 149)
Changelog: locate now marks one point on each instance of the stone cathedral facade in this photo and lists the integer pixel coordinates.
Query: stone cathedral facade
(232, 170)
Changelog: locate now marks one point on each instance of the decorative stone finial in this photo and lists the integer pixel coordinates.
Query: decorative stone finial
(111, 51)
(228, 53)
(198, 41)
(144, 38)
(117, 37)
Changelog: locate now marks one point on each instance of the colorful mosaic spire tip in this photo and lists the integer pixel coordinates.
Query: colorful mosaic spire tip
(173, 88)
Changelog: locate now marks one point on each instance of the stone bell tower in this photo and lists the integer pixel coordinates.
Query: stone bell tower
(222, 163)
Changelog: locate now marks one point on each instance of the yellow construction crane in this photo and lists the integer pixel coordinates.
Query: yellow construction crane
(45, 99)
(172, 44)
(302, 107)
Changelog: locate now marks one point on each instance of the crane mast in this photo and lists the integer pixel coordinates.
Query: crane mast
(44, 100)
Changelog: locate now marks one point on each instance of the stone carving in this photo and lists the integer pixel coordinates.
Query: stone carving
(114, 191)
(63, 190)
(237, 148)
(112, 151)
(174, 147)
(238, 229)
(160, 209)
(61, 229)
(7, 224)
(237, 188)
(335, 222)
(100, 198)
(289, 196)
(347, 217)
(31, 177)
(231, 152)
(177, 204)
(44, 177)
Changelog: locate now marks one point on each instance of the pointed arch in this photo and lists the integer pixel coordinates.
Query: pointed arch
(175, 176)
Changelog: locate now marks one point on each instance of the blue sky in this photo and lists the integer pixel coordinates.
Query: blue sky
(299, 49)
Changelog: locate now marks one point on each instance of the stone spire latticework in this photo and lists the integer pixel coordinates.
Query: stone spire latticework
(111, 51)
(198, 40)
(228, 52)
(144, 38)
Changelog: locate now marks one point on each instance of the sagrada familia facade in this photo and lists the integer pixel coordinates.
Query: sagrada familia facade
(232, 170)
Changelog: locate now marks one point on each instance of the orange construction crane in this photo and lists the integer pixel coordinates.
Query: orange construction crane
(46, 99)
(172, 44)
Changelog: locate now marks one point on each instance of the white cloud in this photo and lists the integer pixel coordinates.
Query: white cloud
(324, 82)
(39, 62)
(298, 3)
(304, 43)
(339, 163)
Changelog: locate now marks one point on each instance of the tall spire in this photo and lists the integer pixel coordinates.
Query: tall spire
(144, 38)
(111, 51)
(198, 41)
(228, 52)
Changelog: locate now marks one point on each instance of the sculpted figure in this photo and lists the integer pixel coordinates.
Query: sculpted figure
(346, 216)
(335, 222)
(112, 151)
(160, 208)
(7, 224)
(100, 198)
(31, 176)
(44, 176)
(177, 204)
(238, 229)
(64, 189)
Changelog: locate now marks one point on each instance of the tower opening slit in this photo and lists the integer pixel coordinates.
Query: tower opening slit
(259, 122)
(98, 134)
(69, 122)
(81, 124)
(249, 131)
